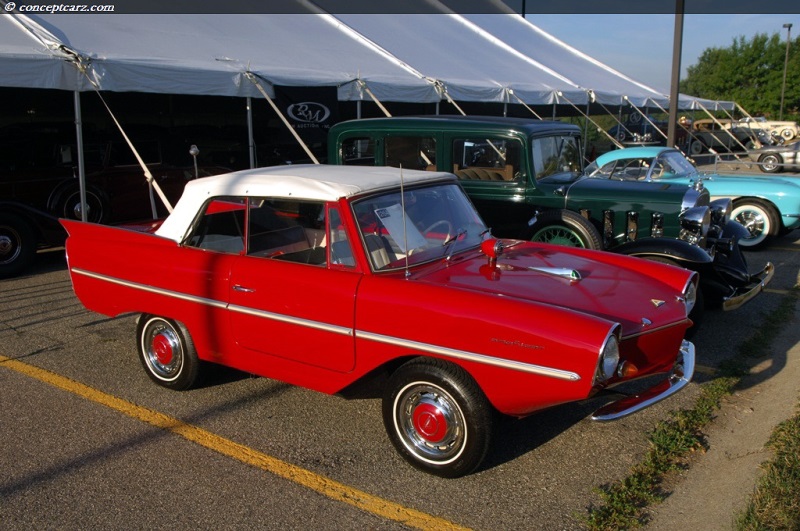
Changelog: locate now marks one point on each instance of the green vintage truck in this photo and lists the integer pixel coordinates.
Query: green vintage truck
(526, 179)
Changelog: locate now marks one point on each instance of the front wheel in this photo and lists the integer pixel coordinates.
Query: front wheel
(437, 417)
(760, 220)
(167, 352)
(770, 163)
(17, 244)
(564, 227)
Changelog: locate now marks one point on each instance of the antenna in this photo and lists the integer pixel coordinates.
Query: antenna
(403, 208)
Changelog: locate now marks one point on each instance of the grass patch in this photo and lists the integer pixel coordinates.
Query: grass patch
(624, 503)
(775, 504)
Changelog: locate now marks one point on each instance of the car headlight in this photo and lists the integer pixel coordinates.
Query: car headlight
(690, 294)
(695, 196)
(695, 223)
(721, 211)
(609, 359)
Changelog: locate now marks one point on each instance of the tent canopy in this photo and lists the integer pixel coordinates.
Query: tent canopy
(404, 58)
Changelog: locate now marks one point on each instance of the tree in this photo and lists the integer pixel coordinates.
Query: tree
(749, 73)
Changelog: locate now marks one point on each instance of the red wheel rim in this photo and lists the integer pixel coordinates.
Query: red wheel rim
(162, 349)
(430, 422)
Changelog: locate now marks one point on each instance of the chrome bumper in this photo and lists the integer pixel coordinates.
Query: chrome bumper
(762, 278)
(679, 378)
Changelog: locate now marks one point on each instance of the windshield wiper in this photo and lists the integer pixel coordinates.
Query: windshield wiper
(460, 232)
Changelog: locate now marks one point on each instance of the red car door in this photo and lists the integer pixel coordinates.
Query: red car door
(294, 311)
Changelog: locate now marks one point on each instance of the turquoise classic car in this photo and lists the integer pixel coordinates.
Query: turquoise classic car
(767, 206)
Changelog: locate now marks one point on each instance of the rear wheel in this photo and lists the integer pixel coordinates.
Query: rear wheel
(696, 147)
(69, 206)
(564, 227)
(167, 352)
(770, 163)
(437, 417)
(759, 218)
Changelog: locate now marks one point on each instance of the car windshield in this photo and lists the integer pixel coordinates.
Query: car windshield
(556, 159)
(667, 164)
(424, 224)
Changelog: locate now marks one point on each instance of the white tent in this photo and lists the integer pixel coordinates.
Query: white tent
(402, 58)
(200, 54)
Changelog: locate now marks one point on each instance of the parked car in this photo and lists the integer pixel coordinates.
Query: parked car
(39, 184)
(786, 130)
(777, 158)
(525, 178)
(765, 205)
(720, 135)
(334, 278)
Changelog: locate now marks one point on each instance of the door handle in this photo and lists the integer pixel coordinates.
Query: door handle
(238, 287)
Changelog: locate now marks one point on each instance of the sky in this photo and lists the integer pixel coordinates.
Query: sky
(640, 46)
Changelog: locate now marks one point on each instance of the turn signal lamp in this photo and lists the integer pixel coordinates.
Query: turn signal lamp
(627, 370)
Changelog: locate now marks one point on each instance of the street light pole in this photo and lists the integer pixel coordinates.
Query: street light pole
(785, 64)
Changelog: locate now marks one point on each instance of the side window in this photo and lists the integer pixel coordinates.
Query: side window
(341, 250)
(286, 229)
(220, 227)
(411, 152)
(358, 152)
(632, 170)
(487, 159)
(555, 154)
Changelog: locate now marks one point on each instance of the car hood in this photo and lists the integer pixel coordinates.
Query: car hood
(752, 180)
(669, 196)
(637, 294)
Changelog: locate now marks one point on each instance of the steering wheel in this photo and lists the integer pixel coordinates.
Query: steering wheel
(436, 224)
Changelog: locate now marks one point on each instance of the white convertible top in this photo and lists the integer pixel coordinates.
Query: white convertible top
(313, 182)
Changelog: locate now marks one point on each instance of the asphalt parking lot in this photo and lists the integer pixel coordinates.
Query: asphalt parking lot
(90, 442)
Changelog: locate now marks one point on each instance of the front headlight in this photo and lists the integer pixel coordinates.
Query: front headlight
(690, 294)
(695, 223)
(721, 211)
(609, 359)
(695, 196)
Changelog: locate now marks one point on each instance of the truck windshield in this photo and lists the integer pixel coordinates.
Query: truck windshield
(556, 158)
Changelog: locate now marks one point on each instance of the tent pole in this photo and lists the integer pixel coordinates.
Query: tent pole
(674, 91)
(554, 111)
(586, 128)
(81, 167)
(251, 144)
(358, 109)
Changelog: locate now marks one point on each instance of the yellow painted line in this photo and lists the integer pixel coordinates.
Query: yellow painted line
(321, 484)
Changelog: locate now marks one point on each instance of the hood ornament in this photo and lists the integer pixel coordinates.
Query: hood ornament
(564, 272)
(658, 303)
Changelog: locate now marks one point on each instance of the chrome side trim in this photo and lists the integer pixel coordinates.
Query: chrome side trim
(317, 325)
(425, 347)
(150, 289)
(219, 304)
(471, 356)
